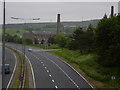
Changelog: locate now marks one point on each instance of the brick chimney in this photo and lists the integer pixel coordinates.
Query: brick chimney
(112, 11)
(58, 23)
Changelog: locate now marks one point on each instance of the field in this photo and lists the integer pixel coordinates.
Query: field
(15, 31)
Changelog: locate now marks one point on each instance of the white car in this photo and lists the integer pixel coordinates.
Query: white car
(30, 50)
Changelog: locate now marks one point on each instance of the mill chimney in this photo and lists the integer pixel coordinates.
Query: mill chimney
(58, 23)
(112, 11)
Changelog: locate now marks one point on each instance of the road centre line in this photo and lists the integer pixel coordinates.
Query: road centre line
(56, 87)
(53, 80)
(50, 75)
(61, 70)
(47, 71)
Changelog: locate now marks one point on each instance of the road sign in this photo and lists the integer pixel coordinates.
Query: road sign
(20, 78)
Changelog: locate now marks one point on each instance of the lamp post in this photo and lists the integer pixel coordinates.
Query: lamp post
(23, 46)
(3, 43)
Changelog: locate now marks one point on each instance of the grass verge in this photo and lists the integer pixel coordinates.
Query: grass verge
(98, 75)
(26, 83)
(44, 47)
(18, 72)
(16, 81)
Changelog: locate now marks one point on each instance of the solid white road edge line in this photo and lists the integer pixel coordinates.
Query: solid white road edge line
(62, 71)
(31, 69)
(76, 72)
(13, 72)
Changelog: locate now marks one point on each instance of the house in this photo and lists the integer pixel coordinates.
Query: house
(41, 36)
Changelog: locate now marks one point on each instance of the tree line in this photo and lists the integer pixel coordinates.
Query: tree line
(104, 40)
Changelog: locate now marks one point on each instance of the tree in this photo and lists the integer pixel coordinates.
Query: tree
(79, 40)
(9, 38)
(51, 40)
(36, 41)
(28, 41)
(105, 16)
(108, 41)
(61, 40)
(90, 37)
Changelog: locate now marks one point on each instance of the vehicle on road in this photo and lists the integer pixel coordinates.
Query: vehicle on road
(6, 68)
(30, 50)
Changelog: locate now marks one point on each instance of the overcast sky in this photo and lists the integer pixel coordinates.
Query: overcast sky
(47, 11)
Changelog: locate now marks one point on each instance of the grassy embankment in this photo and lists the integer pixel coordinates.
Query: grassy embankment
(44, 47)
(98, 75)
(16, 81)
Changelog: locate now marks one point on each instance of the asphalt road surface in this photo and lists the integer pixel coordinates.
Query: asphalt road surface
(9, 59)
(52, 72)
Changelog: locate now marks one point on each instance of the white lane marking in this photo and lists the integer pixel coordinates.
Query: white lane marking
(41, 62)
(92, 86)
(13, 72)
(47, 70)
(56, 87)
(45, 67)
(61, 70)
(31, 69)
(50, 75)
(53, 80)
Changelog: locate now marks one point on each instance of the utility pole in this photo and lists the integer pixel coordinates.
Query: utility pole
(3, 44)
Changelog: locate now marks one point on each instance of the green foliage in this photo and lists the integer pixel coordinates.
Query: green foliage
(61, 40)
(19, 40)
(36, 41)
(28, 41)
(108, 41)
(9, 38)
(82, 40)
(87, 63)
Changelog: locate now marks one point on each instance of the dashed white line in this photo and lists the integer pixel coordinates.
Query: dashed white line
(50, 75)
(56, 87)
(53, 81)
(62, 71)
(47, 70)
(41, 62)
(45, 67)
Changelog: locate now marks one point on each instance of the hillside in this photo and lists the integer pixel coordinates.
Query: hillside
(67, 27)
(51, 25)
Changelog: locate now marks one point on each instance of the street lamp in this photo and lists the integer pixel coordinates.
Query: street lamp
(24, 43)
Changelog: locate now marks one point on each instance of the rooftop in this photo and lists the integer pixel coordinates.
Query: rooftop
(44, 32)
